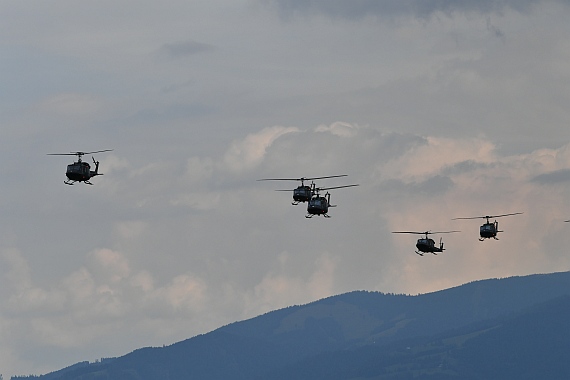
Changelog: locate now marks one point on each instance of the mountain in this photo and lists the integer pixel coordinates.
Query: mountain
(516, 325)
(531, 344)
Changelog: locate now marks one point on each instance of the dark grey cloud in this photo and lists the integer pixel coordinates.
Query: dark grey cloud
(466, 167)
(433, 186)
(357, 9)
(172, 112)
(557, 176)
(184, 49)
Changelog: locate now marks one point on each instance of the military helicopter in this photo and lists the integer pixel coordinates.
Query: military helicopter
(319, 205)
(79, 171)
(302, 193)
(427, 245)
(489, 229)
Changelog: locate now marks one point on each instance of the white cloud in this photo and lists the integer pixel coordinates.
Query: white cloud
(71, 104)
(438, 154)
(18, 276)
(79, 284)
(247, 153)
(339, 129)
(277, 290)
(398, 8)
(114, 265)
(143, 280)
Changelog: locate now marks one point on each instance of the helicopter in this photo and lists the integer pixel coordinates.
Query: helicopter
(80, 171)
(302, 193)
(427, 245)
(319, 205)
(489, 229)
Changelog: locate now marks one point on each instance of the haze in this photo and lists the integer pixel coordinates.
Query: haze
(436, 109)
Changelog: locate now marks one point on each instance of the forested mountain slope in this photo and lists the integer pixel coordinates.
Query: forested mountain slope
(305, 342)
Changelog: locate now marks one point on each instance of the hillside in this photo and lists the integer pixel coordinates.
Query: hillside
(531, 344)
(467, 330)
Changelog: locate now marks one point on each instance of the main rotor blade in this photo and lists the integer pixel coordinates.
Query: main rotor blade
(78, 153)
(498, 216)
(488, 216)
(97, 151)
(280, 179)
(334, 187)
(329, 176)
(302, 178)
(424, 233)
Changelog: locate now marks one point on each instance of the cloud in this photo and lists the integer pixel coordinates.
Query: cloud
(114, 265)
(246, 153)
(556, 177)
(185, 49)
(438, 155)
(18, 276)
(277, 290)
(186, 293)
(393, 8)
(80, 285)
(339, 129)
(71, 104)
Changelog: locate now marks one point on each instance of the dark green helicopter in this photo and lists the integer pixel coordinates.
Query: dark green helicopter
(489, 230)
(302, 193)
(427, 245)
(319, 205)
(80, 171)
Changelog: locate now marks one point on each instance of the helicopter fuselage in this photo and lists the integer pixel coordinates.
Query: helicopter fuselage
(318, 206)
(489, 230)
(79, 171)
(427, 246)
(302, 194)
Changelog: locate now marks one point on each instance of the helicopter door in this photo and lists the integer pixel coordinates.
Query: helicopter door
(302, 194)
(74, 169)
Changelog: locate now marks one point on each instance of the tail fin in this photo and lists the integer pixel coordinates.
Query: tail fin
(96, 172)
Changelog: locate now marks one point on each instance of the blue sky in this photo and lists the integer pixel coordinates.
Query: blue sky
(436, 109)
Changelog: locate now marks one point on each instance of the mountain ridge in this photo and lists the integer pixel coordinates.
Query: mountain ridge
(340, 324)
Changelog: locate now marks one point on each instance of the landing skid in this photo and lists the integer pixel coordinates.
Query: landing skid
(309, 216)
(71, 183)
(483, 239)
(422, 253)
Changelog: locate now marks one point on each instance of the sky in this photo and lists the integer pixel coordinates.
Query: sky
(436, 109)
